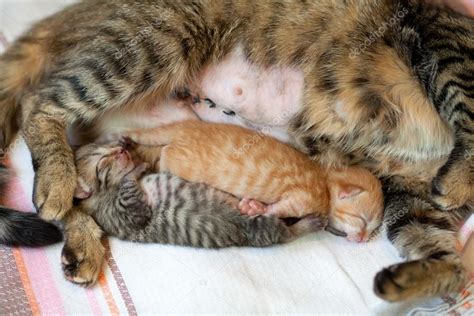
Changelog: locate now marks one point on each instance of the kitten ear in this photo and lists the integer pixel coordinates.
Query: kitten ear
(346, 191)
(83, 191)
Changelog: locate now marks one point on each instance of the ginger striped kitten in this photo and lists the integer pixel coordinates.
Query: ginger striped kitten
(266, 171)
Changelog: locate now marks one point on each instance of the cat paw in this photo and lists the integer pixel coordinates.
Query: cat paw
(251, 207)
(452, 187)
(83, 252)
(55, 183)
(414, 279)
(82, 265)
(397, 282)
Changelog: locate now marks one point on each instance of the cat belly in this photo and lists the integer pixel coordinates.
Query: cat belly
(247, 95)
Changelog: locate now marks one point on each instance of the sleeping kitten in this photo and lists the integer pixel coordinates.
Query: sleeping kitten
(259, 168)
(159, 207)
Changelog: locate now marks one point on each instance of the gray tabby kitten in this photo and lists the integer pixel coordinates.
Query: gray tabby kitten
(134, 205)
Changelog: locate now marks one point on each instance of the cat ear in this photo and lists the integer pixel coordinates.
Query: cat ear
(83, 191)
(348, 190)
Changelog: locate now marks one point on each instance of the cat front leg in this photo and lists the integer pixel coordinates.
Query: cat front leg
(44, 131)
(287, 207)
(295, 204)
(159, 136)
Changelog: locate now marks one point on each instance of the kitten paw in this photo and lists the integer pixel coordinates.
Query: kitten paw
(251, 207)
(55, 183)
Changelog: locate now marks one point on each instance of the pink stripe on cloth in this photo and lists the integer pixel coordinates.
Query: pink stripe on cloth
(93, 302)
(42, 282)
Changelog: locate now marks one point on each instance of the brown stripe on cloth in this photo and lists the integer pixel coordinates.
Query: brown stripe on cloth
(127, 299)
(13, 300)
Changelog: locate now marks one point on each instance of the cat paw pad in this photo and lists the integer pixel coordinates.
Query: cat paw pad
(252, 207)
(80, 269)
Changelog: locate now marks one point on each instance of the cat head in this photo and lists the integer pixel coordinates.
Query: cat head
(101, 167)
(356, 203)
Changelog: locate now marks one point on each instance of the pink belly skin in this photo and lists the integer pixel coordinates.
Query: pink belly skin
(262, 99)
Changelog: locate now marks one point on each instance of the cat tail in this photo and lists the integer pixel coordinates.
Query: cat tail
(26, 229)
(262, 231)
(23, 229)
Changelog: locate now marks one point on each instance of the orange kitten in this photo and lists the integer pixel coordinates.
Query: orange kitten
(253, 166)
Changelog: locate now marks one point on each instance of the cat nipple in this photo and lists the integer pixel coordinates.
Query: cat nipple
(238, 91)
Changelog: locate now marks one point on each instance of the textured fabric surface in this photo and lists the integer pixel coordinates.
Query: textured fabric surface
(317, 274)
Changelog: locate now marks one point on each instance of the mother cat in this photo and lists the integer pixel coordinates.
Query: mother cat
(387, 84)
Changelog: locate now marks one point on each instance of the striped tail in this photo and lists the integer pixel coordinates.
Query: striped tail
(23, 229)
(26, 229)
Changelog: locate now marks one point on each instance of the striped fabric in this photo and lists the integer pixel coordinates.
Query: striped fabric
(28, 286)
(31, 281)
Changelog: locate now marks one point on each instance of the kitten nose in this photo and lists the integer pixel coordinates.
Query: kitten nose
(362, 236)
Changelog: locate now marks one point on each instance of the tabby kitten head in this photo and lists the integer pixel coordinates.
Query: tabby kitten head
(356, 203)
(101, 167)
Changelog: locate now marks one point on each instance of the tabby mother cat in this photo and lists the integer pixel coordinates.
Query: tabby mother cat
(387, 84)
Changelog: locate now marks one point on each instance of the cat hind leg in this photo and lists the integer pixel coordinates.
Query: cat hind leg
(427, 238)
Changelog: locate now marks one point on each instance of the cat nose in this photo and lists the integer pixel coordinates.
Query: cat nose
(362, 236)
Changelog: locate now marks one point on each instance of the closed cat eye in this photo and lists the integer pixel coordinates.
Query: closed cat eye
(335, 231)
